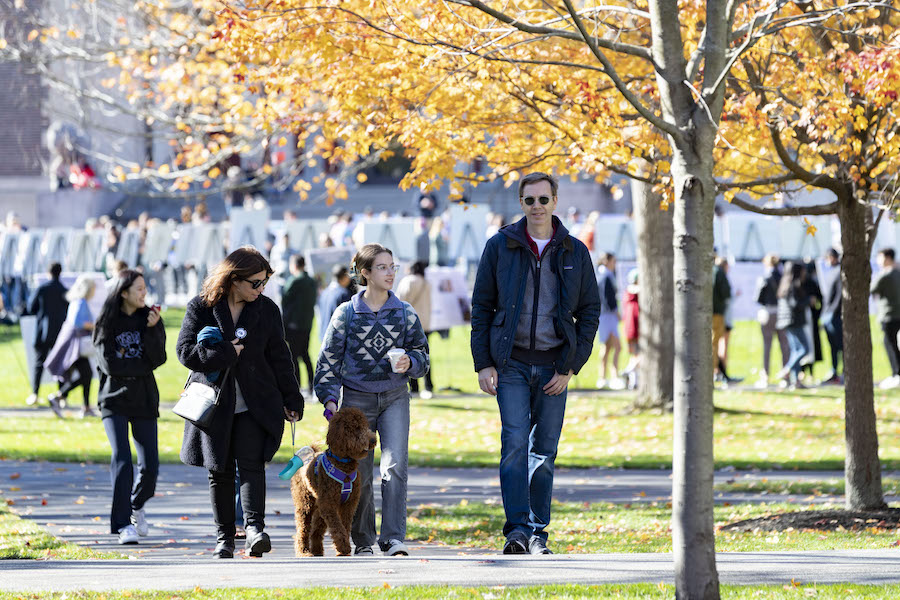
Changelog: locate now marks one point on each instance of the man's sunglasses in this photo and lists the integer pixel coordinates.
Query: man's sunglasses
(529, 200)
(256, 283)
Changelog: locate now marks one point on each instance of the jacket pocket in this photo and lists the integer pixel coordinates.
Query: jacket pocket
(499, 318)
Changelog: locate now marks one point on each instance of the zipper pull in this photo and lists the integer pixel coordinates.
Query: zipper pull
(539, 263)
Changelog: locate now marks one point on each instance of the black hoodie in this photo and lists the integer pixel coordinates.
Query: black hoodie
(126, 358)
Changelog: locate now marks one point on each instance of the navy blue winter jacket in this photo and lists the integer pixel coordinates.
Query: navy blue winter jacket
(500, 288)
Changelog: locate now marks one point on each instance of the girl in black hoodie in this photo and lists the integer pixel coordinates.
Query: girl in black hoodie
(131, 343)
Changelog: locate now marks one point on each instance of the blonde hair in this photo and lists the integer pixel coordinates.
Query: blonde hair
(82, 288)
(364, 259)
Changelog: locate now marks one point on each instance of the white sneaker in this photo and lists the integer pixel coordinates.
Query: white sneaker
(54, 401)
(139, 520)
(31, 400)
(890, 383)
(601, 384)
(762, 383)
(128, 535)
(363, 551)
(396, 548)
(616, 384)
(426, 395)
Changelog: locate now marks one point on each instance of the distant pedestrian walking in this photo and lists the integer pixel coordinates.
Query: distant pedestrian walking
(69, 360)
(608, 328)
(832, 321)
(416, 290)
(793, 308)
(298, 302)
(49, 306)
(631, 328)
(340, 290)
(131, 342)
(886, 286)
(767, 315)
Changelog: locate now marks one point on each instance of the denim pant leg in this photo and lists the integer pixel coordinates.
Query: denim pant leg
(362, 531)
(799, 349)
(121, 471)
(146, 446)
(393, 433)
(514, 402)
(834, 329)
(547, 415)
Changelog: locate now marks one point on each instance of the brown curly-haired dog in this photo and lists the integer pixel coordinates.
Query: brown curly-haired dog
(317, 496)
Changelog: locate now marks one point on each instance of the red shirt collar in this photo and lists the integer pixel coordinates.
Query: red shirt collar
(533, 245)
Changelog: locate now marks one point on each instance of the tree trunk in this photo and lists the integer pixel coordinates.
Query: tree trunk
(693, 531)
(653, 226)
(862, 468)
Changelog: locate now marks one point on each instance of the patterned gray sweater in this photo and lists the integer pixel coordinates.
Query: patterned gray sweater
(354, 351)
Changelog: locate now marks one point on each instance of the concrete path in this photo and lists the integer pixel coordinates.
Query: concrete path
(72, 501)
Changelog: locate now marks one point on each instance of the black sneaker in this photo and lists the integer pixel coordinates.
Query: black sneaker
(515, 545)
(538, 546)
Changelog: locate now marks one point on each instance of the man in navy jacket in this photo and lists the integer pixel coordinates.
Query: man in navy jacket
(535, 310)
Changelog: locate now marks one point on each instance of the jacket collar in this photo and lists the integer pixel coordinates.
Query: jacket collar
(516, 234)
(248, 319)
(360, 306)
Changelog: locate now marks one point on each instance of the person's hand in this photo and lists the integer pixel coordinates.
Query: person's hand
(291, 415)
(557, 384)
(487, 380)
(153, 317)
(403, 364)
(238, 346)
(330, 409)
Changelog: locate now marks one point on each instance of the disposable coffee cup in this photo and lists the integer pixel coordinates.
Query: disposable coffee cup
(394, 355)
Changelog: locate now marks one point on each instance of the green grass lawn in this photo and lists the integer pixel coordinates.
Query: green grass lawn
(451, 361)
(23, 538)
(585, 528)
(794, 590)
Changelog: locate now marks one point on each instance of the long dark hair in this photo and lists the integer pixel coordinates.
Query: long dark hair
(240, 264)
(791, 280)
(113, 303)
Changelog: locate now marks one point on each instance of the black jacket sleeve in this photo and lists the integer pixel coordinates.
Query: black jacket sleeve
(587, 313)
(484, 304)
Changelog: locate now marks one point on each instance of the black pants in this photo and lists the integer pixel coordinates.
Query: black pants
(247, 448)
(82, 367)
(298, 341)
(130, 494)
(890, 329)
(414, 383)
(40, 355)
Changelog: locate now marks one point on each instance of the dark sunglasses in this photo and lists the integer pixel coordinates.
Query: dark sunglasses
(529, 200)
(256, 283)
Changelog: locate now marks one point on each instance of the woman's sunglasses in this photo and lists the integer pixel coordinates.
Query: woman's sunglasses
(256, 283)
(529, 200)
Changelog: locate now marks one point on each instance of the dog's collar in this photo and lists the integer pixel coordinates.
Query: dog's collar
(333, 456)
(345, 479)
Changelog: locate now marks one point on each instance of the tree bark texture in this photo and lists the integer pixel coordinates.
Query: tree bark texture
(862, 467)
(653, 226)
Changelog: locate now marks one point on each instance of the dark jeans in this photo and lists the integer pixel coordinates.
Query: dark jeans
(834, 329)
(890, 329)
(531, 426)
(82, 366)
(40, 355)
(799, 344)
(298, 341)
(414, 383)
(130, 494)
(247, 449)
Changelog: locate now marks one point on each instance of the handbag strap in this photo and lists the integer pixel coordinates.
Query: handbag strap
(224, 382)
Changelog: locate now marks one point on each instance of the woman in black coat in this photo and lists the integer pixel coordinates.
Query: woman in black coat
(131, 342)
(253, 368)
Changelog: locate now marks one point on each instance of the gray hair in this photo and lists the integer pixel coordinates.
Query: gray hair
(82, 288)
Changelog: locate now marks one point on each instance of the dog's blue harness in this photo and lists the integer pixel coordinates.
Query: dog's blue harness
(345, 479)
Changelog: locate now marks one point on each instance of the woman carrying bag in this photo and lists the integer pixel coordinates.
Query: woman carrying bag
(252, 370)
(131, 342)
(70, 355)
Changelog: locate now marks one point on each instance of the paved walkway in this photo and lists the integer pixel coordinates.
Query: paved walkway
(72, 501)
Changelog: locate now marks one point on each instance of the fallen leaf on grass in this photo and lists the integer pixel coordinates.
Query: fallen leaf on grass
(15, 475)
(15, 488)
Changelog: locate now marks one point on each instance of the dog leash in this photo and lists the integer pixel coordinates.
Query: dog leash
(293, 429)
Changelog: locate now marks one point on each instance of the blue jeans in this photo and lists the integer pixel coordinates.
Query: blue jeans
(799, 345)
(531, 425)
(128, 494)
(388, 414)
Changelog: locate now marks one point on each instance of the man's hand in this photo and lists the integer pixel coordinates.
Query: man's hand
(487, 380)
(557, 384)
